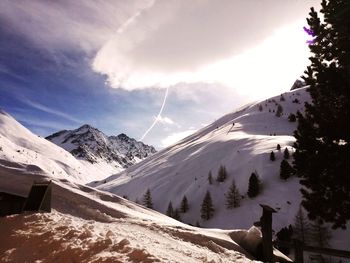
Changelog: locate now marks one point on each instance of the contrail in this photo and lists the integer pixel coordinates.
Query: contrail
(158, 116)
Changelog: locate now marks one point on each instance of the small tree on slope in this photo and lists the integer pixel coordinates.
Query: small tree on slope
(254, 186)
(184, 205)
(207, 209)
(147, 199)
(323, 134)
(272, 156)
(286, 170)
(222, 174)
(286, 154)
(170, 210)
(233, 197)
(210, 178)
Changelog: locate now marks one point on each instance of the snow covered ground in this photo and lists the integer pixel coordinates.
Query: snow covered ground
(87, 225)
(182, 169)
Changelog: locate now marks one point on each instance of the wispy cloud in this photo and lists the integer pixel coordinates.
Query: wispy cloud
(46, 109)
(84, 25)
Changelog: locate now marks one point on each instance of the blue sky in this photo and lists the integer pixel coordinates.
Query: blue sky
(67, 63)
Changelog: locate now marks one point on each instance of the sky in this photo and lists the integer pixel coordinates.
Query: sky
(155, 70)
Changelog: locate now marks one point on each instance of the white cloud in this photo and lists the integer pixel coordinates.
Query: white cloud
(143, 44)
(191, 41)
(164, 120)
(177, 136)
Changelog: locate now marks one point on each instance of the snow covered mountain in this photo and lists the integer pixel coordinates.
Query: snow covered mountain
(242, 142)
(88, 225)
(21, 149)
(89, 144)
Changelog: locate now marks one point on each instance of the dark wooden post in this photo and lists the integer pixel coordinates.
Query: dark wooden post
(266, 229)
(298, 251)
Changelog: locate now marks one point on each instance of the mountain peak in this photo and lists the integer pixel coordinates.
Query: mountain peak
(90, 144)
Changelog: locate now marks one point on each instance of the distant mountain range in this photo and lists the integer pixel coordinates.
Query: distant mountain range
(89, 144)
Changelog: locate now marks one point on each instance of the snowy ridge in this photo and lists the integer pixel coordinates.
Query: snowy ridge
(241, 141)
(91, 145)
(20, 148)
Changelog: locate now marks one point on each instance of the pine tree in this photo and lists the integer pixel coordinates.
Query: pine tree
(279, 111)
(147, 199)
(292, 117)
(184, 205)
(233, 198)
(207, 208)
(222, 174)
(286, 170)
(278, 147)
(323, 134)
(272, 156)
(176, 215)
(320, 234)
(210, 178)
(170, 210)
(254, 186)
(301, 228)
(286, 153)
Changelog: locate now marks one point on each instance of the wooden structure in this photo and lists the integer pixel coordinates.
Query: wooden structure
(11, 204)
(266, 229)
(299, 249)
(38, 200)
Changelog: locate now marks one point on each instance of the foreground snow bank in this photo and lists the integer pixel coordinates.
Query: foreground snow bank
(88, 225)
(58, 237)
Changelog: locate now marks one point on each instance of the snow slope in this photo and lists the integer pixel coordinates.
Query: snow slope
(87, 225)
(182, 169)
(110, 154)
(20, 148)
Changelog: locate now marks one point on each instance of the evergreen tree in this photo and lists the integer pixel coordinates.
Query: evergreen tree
(286, 153)
(176, 215)
(210, 178)
(323, 134)
(170, 210)
(272, 156)
(292, 117)
(222, 174)
(254, 186)
(184, 205)
(279, 111)
(278, 147)
(301, 228)
(147, 199)
(286, 170)
(207, 208)
(320, 234)
(233, 198)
